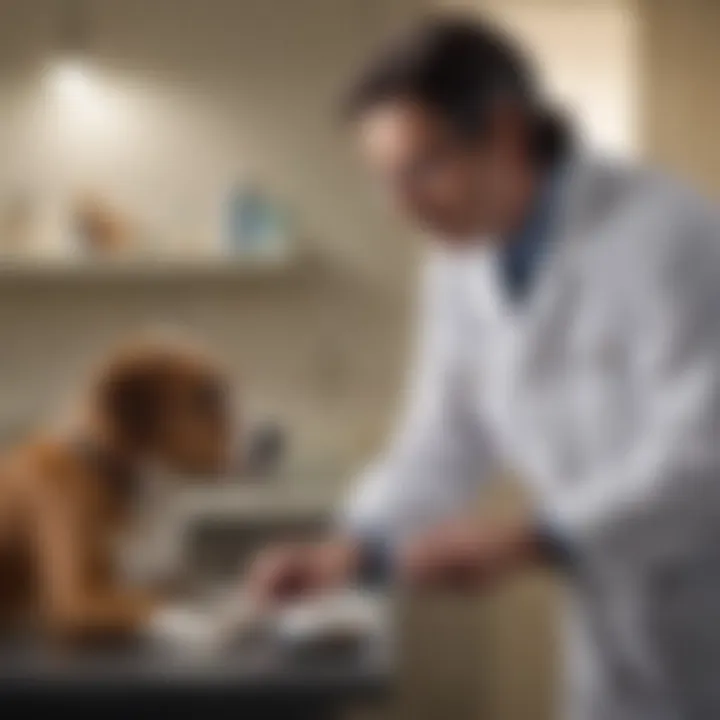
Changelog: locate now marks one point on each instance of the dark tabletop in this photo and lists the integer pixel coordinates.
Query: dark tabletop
(259, 677)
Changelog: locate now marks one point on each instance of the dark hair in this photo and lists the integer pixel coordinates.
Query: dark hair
(459, 68)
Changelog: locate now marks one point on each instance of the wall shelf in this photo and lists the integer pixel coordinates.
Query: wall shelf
(151, 270)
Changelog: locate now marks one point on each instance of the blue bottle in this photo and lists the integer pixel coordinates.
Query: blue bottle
(255, 225)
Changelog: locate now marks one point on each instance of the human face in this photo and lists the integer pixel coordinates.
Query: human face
(459, 189)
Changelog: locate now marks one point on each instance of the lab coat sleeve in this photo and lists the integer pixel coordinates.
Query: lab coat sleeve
(439, 452)
(664, 495)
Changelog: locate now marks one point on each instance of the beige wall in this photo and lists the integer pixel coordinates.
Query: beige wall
(182, 97)
(681, 104)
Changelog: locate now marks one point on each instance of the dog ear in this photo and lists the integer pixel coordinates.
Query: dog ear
(129, 401)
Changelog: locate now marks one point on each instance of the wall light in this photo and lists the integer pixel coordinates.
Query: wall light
(69, 75)
(71, 80)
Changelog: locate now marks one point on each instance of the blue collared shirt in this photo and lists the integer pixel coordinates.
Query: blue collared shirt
(520, 257)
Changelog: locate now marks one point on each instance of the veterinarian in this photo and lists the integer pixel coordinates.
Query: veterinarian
(570, 334)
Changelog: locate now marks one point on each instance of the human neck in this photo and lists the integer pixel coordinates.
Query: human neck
(519, 209)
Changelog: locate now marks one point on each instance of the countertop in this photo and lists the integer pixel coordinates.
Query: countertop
(259, 673)
(261, 678)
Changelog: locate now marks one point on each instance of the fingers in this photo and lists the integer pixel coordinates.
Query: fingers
(267, 574)
(288, 572)
(280, 574)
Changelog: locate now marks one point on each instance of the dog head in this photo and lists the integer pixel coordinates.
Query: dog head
(167, 403)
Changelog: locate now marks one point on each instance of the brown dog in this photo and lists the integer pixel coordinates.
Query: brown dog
(65, 499)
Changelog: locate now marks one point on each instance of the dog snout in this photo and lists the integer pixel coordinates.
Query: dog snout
(262, 452)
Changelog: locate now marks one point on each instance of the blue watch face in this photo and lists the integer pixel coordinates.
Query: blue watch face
(522, 255)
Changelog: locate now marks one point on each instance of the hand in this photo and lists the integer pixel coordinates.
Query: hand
(466, 555)
(295, 570)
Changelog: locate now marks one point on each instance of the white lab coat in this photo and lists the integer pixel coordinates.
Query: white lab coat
(602, 391)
